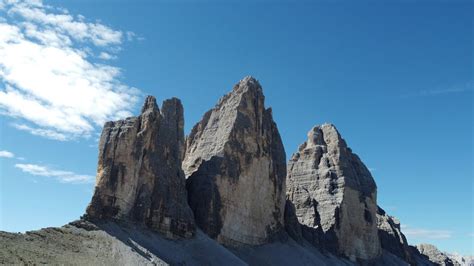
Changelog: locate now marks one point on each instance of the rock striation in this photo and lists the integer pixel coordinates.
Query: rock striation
(391, 237)
(235, 168)
(334, 195)
(139, 175)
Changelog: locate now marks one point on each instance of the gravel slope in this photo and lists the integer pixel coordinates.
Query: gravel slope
(85, 243)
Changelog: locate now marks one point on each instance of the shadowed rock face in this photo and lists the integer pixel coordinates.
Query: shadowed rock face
(139, 176)
(334, 195)
(235, 165)
(391, 236)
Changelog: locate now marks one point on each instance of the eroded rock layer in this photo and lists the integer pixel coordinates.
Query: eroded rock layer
(334, 195)
(139, 176)
(235, 165)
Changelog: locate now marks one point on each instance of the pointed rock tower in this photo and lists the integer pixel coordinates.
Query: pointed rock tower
(235, 165)
(139, 175)
(334, 195)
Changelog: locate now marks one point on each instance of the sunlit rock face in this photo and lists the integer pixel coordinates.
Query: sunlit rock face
(235, 165)
(334, 195)
(139, 175)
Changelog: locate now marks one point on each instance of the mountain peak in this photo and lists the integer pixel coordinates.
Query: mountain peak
(247, 83)
(150, 104)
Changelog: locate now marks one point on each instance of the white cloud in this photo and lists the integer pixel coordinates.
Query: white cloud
(64, 23)
(50, 134)
(61, 176)
(52, 83)
(419, 233)
(6, 154)
(106, 56)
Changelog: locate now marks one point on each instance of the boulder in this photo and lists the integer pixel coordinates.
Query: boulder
(139, 175)
(334, 195)
(235, 168)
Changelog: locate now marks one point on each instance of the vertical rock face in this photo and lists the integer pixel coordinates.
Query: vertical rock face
(139, 176)
(292, 225)
(334, 195)
(391, 236)
(235, 165)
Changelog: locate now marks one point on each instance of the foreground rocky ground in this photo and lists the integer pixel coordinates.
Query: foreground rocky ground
(111, 243)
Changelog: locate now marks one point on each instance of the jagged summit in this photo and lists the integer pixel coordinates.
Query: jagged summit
(317, 133)
(248, 82)
(150, 104)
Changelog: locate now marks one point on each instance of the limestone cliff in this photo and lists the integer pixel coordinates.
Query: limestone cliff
(235, 165)
(139, 176)
(334, 195)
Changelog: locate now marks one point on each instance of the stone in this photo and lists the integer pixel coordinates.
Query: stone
(435, 256)
(235, 168)
(334, 195)
(391, 237)
(139, 176)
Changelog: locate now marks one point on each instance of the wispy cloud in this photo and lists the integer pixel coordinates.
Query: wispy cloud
(55, 82)
(47, 133)
(420, 233)
(465, 87)
(61, 176)
(6, 154)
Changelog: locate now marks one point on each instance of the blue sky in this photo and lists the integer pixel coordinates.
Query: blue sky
(395, 77)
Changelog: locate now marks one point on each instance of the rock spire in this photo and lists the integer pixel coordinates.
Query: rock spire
(235, 165)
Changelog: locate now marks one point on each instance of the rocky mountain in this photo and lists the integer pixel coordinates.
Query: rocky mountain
(236, 167)
(334, 195)
(434, 255)
(139, 175)
(224, 195)
(460, 259)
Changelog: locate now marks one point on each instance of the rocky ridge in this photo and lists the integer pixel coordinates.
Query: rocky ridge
(460, 259)
(436, 256)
